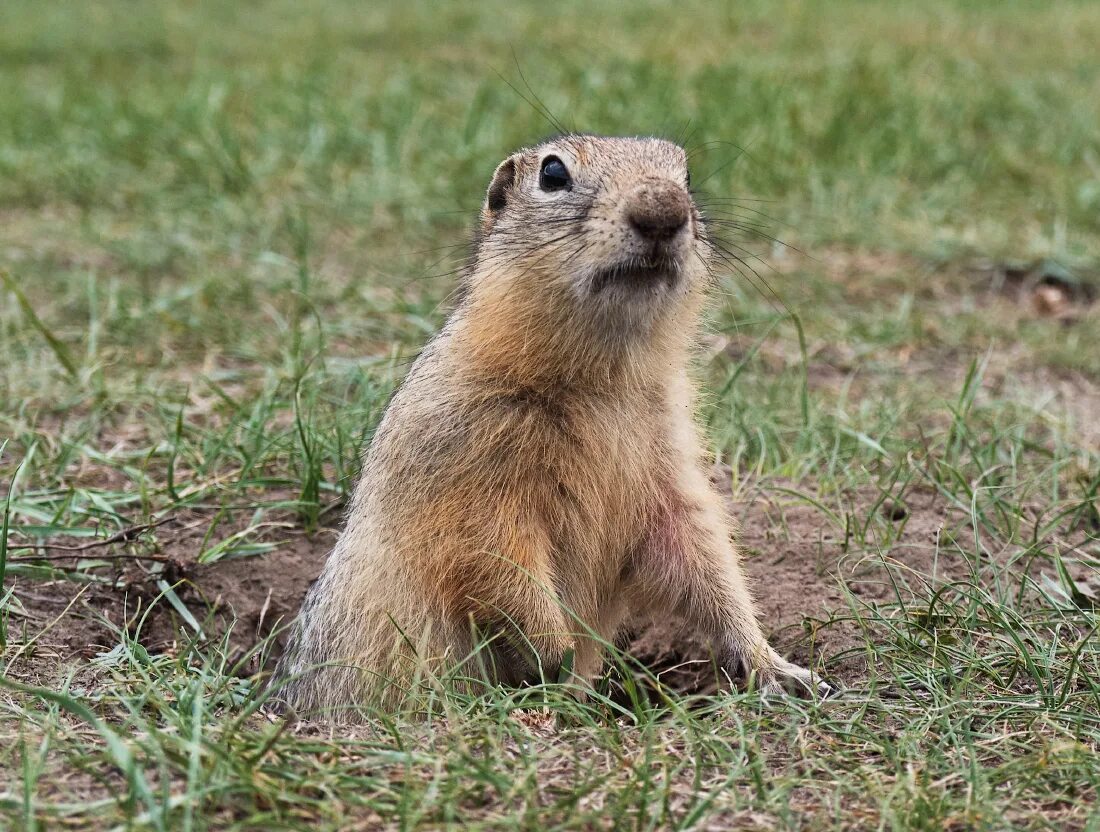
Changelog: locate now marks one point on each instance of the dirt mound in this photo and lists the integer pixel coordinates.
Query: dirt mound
(807, 574)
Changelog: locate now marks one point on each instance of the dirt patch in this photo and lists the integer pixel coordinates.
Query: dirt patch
(807, 578)
(814, 570)
(245, 597)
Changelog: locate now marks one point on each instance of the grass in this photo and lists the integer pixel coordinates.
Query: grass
(225, 230)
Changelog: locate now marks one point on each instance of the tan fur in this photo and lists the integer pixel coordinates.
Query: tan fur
(539, 474)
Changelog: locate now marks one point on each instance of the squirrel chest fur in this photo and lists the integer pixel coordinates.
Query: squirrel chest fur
(538, 477)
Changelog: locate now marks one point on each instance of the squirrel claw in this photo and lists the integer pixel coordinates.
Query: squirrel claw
(787, 679)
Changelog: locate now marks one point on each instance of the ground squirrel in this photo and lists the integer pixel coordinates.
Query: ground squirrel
(538, 476)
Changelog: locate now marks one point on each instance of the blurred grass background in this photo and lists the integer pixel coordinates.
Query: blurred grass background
(178, 151)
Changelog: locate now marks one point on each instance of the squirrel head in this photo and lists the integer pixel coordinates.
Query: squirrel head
(603, 227)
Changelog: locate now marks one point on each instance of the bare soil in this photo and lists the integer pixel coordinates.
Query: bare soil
(809, 584)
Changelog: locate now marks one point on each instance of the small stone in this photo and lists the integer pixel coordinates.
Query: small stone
(1050, 301)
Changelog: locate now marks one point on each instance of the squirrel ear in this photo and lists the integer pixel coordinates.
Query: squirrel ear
(497, 196)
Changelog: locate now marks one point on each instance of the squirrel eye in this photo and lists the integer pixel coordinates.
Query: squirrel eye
(553, 176)
(687, 179)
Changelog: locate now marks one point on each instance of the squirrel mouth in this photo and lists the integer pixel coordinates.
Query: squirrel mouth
(637, 274)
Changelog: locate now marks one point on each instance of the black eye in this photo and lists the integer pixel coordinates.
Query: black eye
(554, 176)
(687, 179)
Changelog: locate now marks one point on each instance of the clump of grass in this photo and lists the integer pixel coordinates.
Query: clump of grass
(956, 675)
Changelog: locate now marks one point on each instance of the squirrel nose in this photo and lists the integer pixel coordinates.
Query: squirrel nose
(658, 210)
